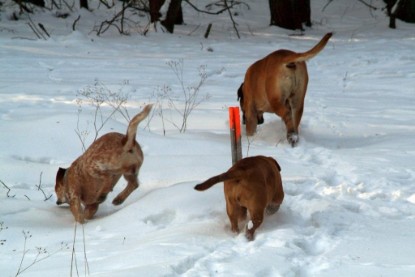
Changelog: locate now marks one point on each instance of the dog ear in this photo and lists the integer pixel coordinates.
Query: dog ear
(241, 93)
(276, 163)
(60, 174)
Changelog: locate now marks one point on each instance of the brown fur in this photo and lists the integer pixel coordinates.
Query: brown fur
(252, 184)
(94, 174)
(277, 84)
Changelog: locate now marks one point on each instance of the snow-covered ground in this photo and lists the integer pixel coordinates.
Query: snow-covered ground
(349, 208)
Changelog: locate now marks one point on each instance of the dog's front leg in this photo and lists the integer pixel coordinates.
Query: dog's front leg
(131, 186)
(232, 210)
(77, 210)
(251, 121)
(272, 208)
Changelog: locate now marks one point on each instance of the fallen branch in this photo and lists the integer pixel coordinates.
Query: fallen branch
(75, 22)
(39, 188)
(327, 4)
(234, 3)
(368, 5)
(208, 30)
(38, 32)
(34, 30)
(43, 29)
(361, 1)
(8, 189)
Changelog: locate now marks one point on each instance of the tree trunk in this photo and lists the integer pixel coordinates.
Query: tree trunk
(84, 4)
(272, 9)
(306, 16)
(174, 15)
(155, 6)
(405, 10)
(401, 9)
(290, 14)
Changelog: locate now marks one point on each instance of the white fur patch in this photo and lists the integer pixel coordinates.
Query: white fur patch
(250, 225)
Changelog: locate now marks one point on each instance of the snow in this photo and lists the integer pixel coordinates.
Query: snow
(349, 204)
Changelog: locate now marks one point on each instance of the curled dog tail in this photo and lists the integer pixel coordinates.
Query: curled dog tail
(302, 57)
(217, 179)
(132, 127)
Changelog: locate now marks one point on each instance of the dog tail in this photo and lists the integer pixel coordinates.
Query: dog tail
(302, 57)
(231, 174)
(132, 127)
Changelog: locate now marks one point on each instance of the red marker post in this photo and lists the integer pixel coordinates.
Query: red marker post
(235, 131)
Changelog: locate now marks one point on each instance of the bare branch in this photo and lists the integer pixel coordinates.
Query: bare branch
(8, 189)
(39, 188)
(233, 21)
(368, 5)
(327, 4)
(75, 22)
(97, 96)
(225, 8)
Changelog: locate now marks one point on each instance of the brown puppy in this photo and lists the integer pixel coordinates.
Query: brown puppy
(94, 174)
(252, 184)
(277, 84)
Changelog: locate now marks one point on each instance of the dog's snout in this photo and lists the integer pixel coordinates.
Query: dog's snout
(58, 202)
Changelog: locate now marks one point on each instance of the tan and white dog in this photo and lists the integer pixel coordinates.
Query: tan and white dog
(277, 84)
(95, 173)
(252, 184)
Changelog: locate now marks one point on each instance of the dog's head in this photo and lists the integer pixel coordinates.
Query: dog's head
(60, 187)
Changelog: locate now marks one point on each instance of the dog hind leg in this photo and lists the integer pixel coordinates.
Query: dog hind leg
(257, 216)
(235, 214)
(283, 109)
(131, 186)
(242, 214)
(289, 118)
(251, 122)
(296, 107)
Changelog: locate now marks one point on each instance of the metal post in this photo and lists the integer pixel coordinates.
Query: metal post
(235, 132)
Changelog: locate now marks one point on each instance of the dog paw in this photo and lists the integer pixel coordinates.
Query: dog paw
(292, 139)
(249, 231)
(235, 230)
(272, 209)
(117, 201)
(249, 236)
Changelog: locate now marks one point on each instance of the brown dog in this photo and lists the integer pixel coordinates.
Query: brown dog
(94, 174)
(252, 184)
(277, 84)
